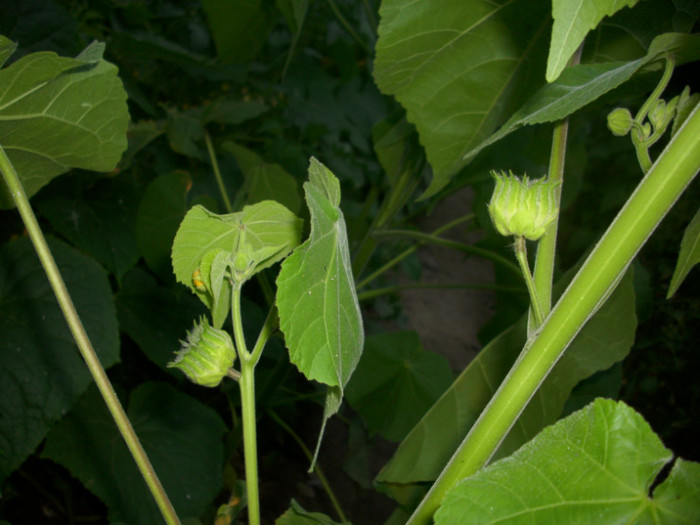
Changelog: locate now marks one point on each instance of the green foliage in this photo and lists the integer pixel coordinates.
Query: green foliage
(296, 515)
(317, 303)
(41, 375)
(396, 369)
(689, 254)
(58, 113)
(573, 19)
(597, 464)
(181, 435)
(605, 339)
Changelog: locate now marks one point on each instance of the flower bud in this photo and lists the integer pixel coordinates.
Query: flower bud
(524, 208)
(620, 121)
(206, 355)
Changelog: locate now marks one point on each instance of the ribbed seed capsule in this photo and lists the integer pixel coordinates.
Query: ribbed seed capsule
(206, 355)
(524, 208)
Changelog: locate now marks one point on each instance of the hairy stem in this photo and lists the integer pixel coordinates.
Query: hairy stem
(603, 268)
(81, 338)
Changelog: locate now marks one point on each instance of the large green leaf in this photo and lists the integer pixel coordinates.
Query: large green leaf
(316, 299)
(58, 113)
(41, 372)
(460, 69)
(182, 437)
(98, 218)
(580, 85)
(605, 339)
(595, 466)
(573, 19)
(318, 309)
(689, 254)
(395, 383)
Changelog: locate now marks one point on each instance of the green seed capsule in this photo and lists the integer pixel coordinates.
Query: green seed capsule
(524, 208)
(206, 355)
(620, 121)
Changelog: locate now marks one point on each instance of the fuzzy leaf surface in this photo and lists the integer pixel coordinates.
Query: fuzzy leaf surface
(318, 308)
(595, 466)
(460, 69)
(573, 19)
(58, 113)
(41, 371)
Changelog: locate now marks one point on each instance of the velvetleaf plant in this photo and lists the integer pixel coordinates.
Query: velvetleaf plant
(214, 255)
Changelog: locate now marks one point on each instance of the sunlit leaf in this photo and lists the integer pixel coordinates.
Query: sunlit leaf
(41, 371)
(58, 113)
(182, 437)
(573, 19)
(689, 254)
(595, 466)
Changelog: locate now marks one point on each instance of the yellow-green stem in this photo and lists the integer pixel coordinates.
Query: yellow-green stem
(521, 256)
(217, 172)
(81, 338)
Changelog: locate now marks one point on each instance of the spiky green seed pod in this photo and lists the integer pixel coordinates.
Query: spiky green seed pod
(524, 208)
(620, 121)
(206, 355)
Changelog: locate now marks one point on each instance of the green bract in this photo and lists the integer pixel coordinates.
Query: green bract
(524, 208)
(206, 355)
(620, 121)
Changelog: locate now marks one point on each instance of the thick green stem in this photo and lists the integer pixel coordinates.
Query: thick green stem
(603, 268)
(81, 338)
(250, 444)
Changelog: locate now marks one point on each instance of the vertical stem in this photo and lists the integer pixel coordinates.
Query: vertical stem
(250, 445)
(608, 261)
(217, 172)
(543, 272)
(81, 338)
(246, 384)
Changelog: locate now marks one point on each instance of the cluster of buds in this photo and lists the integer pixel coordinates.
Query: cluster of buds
(523, 207)
(206, 355)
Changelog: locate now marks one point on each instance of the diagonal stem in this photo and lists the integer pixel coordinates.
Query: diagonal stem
(81, 338)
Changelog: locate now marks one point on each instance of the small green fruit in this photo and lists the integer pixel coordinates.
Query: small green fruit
(620, 121)
(524, 208)
(206, 355)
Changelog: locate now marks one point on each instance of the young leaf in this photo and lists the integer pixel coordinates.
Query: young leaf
(316, 300)
(58, 113)
(605, 339)
(41, 374)
(573, 19)
(688, 256)
(455, 65)
(395, 383)
(183, 439)
(7, 47)
(595, 466)
(261, 234)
